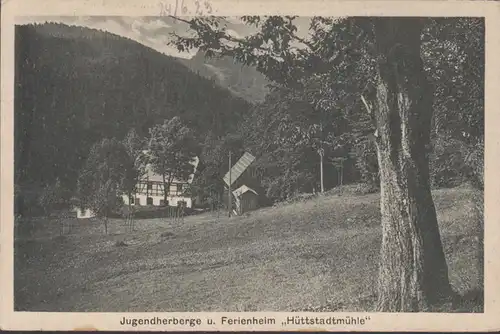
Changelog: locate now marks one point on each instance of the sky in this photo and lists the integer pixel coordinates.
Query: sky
(149, 30)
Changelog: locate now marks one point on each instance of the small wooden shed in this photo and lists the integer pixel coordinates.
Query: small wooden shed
(246, 199)
(241, 181)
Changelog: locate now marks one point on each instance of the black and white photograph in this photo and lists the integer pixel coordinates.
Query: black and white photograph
(261, 163)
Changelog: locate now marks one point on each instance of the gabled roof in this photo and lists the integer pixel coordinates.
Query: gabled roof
(239, 167)
(243, 189)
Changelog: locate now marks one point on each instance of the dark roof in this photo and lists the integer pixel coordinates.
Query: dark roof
(239, 167)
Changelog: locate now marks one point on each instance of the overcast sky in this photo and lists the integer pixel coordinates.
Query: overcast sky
(150, 31)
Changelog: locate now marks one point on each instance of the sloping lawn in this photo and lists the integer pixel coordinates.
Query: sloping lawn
(321, 254)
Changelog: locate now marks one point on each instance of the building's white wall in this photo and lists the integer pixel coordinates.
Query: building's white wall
(84, 214)
(172, 200)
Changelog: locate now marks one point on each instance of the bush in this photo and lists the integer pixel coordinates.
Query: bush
(27, 202)
(474, 160)
(151, 212)
(367, 163)
(289, 184)
(357, 189)
(297, 198)
(447, 163)
(454, 162)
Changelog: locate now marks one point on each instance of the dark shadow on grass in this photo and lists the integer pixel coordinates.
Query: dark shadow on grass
(167, 235)
(120, 244)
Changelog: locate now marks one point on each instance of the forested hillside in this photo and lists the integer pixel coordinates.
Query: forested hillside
(75, 86)
(243, 81)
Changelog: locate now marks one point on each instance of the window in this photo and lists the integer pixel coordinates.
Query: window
(150, 185)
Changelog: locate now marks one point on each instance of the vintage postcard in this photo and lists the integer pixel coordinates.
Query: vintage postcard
(210, 165)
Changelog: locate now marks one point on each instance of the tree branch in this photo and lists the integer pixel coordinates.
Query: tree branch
(240, 41)
(368, 109)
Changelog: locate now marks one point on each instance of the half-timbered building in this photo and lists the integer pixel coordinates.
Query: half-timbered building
(149, 190)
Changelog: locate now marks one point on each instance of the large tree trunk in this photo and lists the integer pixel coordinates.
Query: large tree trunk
(413, 271)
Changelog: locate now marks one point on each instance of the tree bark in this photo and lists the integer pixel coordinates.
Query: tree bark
(170, 180)
(342, 172)
(321, 171)
(413, 271)
(130, 217)
(166, 189)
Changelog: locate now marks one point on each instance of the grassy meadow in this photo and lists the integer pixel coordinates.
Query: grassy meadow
(317, 255)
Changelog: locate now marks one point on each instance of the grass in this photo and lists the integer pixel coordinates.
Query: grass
(317, 255)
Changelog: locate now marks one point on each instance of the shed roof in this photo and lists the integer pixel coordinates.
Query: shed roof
(243, 189)
(239, 167)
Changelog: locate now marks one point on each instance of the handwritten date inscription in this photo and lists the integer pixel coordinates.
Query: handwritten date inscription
(185, 7)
